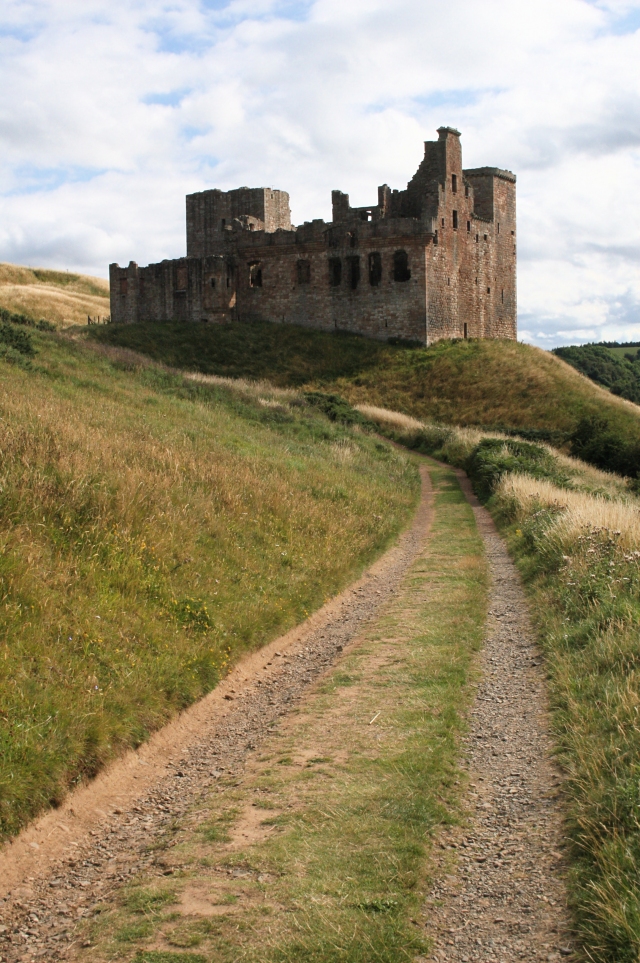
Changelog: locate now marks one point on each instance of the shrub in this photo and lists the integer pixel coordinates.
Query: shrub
(596, 442)
(14, 338)
(494, 458)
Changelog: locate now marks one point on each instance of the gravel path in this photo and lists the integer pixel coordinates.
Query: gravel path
(500, 895)
(103, 835)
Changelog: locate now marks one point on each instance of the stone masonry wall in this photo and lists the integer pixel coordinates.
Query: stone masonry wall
(437, 260)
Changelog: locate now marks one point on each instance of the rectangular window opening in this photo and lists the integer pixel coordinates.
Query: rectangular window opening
(465, 331)
(468, 227)
(454, 183)
(488, 290)
(455, 220)
(466, 190)
(303, 272)
(375, 269)
(401, 269)
(335, 272)
(502, 295)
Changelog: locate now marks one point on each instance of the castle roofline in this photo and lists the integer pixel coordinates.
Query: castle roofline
(449, 130)
(491, 172)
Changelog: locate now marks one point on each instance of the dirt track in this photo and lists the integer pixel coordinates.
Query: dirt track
(65, 865)
(499, 895)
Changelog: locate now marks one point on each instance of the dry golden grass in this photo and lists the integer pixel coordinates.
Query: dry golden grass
(261, 390)
(578, 511)
(391, 419)
(58, 296)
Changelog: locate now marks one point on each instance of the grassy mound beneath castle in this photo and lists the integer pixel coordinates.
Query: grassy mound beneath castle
(493, 384)
(152, 529)
(61, 297)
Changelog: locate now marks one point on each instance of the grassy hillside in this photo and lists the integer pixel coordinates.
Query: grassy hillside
(612, 365)
(58, 296)
(486, 383)
(151, 529)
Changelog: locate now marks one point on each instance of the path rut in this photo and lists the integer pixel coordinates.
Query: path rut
(500, 894)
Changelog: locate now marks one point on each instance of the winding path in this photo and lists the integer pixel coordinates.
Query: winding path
(499, 894)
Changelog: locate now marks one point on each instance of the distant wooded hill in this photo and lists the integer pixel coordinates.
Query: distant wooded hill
(610, 364)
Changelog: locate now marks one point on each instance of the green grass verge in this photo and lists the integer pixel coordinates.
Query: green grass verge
(584, 585)
(487, 383)
(151, 530)
(344, 800)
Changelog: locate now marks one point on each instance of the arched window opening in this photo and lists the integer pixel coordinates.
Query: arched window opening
(401, 271)
(375, 269)
(255, 275)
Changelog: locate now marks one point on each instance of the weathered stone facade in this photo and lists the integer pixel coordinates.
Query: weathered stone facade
(437, 260)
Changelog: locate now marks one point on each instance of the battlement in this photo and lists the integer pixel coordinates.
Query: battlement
(435, 260)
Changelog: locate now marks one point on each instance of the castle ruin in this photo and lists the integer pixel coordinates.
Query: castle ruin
(437, 260)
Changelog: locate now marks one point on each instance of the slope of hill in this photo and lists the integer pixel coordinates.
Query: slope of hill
(612, 365)
(151, 529)
(486, 383)
(58, 296)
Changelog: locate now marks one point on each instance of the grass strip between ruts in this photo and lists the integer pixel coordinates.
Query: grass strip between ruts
(352, 787)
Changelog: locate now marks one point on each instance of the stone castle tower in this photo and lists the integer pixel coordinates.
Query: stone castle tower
(437, 260)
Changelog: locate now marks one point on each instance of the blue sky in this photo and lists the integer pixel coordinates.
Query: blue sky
(111, 112)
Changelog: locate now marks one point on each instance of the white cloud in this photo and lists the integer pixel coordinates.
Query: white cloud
(111, 112)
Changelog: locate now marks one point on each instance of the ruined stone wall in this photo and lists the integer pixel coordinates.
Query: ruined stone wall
(335, 280)
(210, 215)
(187, 289)
(437, 260)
